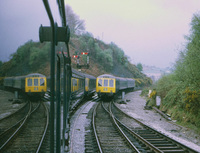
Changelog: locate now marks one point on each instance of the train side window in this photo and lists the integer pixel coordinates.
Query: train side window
(74, 82)
(86, 82)
(111, 83)
(35, 82)
(105, 83)
(29, 82)
(100, 83)
(41, 82)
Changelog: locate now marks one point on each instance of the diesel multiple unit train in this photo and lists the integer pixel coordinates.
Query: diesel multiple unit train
(34, 84)
(82, 84)
(108, 85)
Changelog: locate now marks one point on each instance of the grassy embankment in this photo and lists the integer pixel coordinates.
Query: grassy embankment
(179, 91)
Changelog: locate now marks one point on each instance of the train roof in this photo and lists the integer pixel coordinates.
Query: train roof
(81, 74)
(112, 76)
(35, 75)
(106, 76)
(29, 75)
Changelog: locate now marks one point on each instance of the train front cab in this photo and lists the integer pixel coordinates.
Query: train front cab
(35, 84)
(105, 86)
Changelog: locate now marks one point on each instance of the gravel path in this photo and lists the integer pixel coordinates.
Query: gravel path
(135, 108)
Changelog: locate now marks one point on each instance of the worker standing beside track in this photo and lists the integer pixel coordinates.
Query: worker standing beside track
(151, 99)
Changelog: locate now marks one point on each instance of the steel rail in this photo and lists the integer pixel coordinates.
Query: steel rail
(18, 129)
(94, 129)
(10, 115)
(13, 126)
(121, 131)
(139, 137)
(161, 134)
(45, 130)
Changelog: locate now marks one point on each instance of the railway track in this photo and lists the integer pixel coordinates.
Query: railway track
(109, 136)
(115, 131)
(27, 135)
(7, 122)
(153, 140)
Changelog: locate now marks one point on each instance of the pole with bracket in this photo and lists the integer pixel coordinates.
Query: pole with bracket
(52, 72)
(58, 123)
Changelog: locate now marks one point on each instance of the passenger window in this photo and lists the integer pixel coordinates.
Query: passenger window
(74, 82)
(100, 83)
(35, 82)
(105, 83)
(41, 82)
(29, 82)
(86, 82)
(111, 83)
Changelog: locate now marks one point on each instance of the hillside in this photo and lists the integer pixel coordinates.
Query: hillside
(104, 58)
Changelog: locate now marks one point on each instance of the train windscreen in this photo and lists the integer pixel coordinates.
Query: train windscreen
(105, 83)
(29, 82)
(41, 82)
(111, 83)
(35, 82)
(100, 82)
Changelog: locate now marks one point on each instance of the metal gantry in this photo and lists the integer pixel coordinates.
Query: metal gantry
(56, 34)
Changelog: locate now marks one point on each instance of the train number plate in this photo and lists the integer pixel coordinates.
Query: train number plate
(36, 89)
(105, 89)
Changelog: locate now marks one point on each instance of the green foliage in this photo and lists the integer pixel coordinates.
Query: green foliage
(118, 53)
(139, 66)
(104, 57)
(180, 90)
(83, 44)
(1, 63)
(39, 55)
(191, 100)
(28, 58)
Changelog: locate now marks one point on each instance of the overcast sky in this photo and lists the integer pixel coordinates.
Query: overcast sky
(149, 31)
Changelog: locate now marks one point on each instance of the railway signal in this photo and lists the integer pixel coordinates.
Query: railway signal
(84, 65)
(75, 56)
(84, 53)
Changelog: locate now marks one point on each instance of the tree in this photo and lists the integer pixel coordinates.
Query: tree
(139, 66)
(76, 25)
(1, 63)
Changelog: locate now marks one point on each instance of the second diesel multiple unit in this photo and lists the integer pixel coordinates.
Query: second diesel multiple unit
(109, 85)
(82, 84)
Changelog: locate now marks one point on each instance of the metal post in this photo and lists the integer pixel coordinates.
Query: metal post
(16, 95)
(64, 101)
(52, 75)
(68, 94)
(58, 107)
(123, 94)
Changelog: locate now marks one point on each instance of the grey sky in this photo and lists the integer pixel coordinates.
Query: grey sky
(149, 31)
